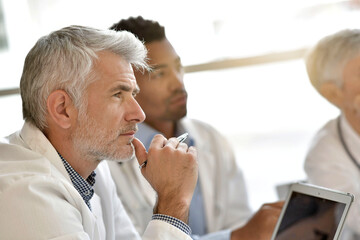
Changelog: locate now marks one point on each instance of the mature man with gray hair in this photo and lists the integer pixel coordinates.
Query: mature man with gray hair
(78, 91)
(333, 160)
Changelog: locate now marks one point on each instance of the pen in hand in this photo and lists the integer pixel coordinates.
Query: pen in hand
(180, 138)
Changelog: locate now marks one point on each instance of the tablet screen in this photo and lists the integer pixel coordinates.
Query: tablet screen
(310, 218)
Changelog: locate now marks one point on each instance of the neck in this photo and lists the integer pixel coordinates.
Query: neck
(79, 162)
(354, 122)
(82, 166)
(167, 128)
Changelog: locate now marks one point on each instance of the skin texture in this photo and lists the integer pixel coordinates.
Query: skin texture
(163, 98)
(104, 128)
(108, 123)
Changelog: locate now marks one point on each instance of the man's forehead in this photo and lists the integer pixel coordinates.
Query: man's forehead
(160, 52)
(118, 74)
(125, 86)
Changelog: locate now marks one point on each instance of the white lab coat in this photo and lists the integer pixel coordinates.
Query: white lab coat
(222, 182)
(38, 200)
(327, 164)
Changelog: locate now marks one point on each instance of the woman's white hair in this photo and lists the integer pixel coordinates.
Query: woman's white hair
(64, 59)
(326, 60)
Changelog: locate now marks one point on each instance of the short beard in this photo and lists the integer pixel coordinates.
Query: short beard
(97, 143)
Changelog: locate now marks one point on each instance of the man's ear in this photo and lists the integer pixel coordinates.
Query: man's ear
(60, 108)
(332, 93)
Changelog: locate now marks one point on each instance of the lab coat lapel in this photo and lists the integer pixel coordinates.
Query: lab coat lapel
(144, 186)
(37, 142)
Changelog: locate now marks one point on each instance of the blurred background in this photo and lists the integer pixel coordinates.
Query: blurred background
(244, 65)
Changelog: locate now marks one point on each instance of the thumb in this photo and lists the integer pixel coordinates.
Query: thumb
(140, 150)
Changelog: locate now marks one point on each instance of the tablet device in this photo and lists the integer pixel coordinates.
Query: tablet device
(312, 213)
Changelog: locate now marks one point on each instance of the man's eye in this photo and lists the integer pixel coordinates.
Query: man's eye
(158, 74)
(117, 94)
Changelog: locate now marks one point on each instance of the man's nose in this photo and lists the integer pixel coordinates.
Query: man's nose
(135, 112)
(176, 79)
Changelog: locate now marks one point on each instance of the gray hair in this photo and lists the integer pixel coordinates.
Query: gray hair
(64, 59)
(326, 60)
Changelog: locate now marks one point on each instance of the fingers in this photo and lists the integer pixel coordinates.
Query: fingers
(173, 143)
(140, 150)
(158, 141)
(182, 147)
(192, 150)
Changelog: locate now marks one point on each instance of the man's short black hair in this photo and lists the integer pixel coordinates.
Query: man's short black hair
(146, 30)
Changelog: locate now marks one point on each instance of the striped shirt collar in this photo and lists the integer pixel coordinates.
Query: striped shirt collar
(84, 187)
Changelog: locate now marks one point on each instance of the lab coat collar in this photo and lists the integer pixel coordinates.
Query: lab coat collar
(38, 142)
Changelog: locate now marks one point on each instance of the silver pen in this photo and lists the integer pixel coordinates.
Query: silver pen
(180, 138)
